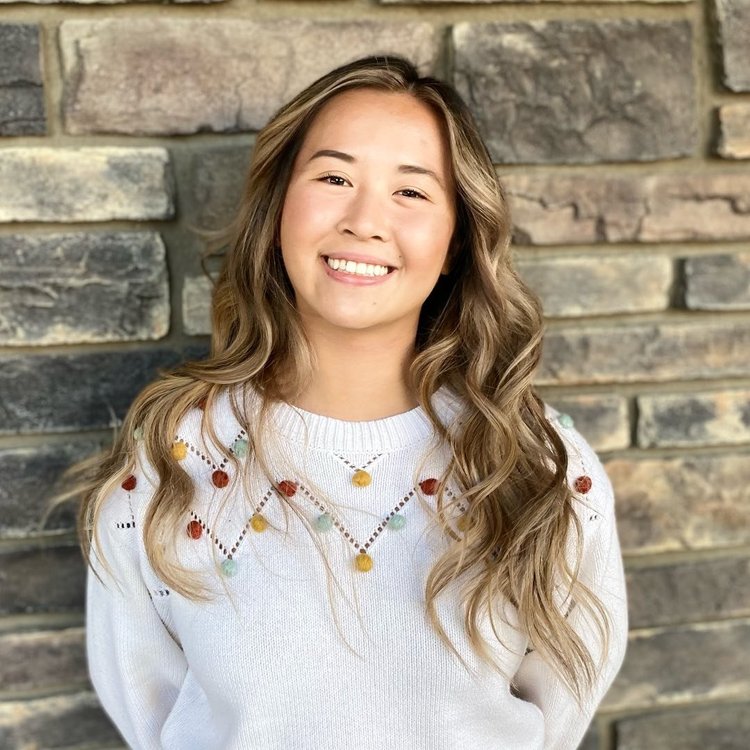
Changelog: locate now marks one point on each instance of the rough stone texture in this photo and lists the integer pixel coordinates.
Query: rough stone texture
(85, 184)
(21, 83)
(674, 593)
(64, 722)
(80, 288)
(692, 502)
(601, 418)
(213, 184)
(734, 38)
(65, 392)
(672, 665)
(651, 352)
(734, 136)
(196, 306)
(48, 660)
(42, 579)
(573, 208)
(29, 477)
(717, 282)
(704, 418)
(579, 91)
(717, 727)
(177, 75)
(599, 285)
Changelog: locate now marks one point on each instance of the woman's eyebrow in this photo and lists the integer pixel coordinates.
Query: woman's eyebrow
(404, 168)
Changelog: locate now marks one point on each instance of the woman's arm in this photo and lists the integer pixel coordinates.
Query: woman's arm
(602, 571)
(135, 665)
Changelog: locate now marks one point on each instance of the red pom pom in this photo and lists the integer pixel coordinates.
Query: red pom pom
(194, 530)
(220, 478)
(287, 487)
(582, 484)
(430, 486)
(202, 404)
(130, 483)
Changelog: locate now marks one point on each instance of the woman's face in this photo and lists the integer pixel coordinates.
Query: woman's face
(371, 184)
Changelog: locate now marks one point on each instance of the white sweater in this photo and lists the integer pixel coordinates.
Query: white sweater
(263, 666)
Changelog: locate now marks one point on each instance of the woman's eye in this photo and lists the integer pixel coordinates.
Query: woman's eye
(417, 194)
(332, 176)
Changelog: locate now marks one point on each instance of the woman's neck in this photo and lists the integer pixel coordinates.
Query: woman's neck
(359, 377)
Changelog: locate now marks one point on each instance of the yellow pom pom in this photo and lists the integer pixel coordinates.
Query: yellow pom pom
(258, 522)
(179, 450)
(463, 523)
(363, 562)
(361, 478)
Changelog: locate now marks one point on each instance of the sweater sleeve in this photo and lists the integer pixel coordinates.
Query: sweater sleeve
(602, 571)
(135, 665)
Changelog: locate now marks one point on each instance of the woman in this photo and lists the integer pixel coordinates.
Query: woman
(355, 524)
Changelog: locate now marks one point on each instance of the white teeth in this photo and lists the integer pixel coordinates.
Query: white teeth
(360, 269)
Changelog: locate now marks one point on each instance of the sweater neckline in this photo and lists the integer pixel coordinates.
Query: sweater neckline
(313, 430)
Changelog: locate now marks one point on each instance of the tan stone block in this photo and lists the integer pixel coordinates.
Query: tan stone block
(599, 285)
(683, 503)
(601, 418)
(734, 139)
(574, 208)
(652, 352)
(717, 282)
(702, 418)
(180, 75)
(196, 306)
(85, 184)
(666, 666)
(49, 659)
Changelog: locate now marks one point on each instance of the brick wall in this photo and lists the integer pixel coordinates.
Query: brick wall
(622, 131)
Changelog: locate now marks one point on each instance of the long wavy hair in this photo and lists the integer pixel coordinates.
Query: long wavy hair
(480, 334)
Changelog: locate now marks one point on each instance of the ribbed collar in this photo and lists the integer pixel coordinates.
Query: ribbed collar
(319, 431)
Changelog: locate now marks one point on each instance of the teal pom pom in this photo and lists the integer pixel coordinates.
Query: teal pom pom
(324, 522)
(229, 567)
(396, 521)
(566, 420)
(239, 448)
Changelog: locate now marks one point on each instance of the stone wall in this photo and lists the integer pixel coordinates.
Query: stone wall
(622, 132)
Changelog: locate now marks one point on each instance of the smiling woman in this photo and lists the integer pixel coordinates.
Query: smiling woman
(367, 418)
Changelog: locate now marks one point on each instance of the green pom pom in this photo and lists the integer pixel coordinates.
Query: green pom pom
(229, 567)
(324, 522)
(396, 521)
(566, 420)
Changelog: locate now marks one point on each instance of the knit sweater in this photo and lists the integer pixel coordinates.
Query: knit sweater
(277, 659)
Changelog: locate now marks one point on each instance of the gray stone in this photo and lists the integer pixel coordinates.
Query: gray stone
(715, 727)
(734, 136)
(85, 184)
(196, 306)
(734, 37)
(81, 288)
(21, 84)
(71, 392)
(674, 665)
(181, 75)
(718, 282)
(601, 418)
(56, 723)
(639, 351)
(575, 208)
(579, 91)
(692, 502)
(694, 591)
(29, 478)
(42, 579)
(47, 660)
(213, 184)
(599, 285)
(699, 418)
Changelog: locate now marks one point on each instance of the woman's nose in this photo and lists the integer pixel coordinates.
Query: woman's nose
(365, 215)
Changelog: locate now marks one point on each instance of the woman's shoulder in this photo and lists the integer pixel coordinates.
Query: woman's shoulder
(586, 474)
